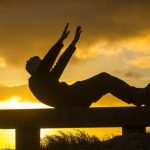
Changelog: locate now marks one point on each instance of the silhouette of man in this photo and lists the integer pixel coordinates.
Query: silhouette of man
(44, 81)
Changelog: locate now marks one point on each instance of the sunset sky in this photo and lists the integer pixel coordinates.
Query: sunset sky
(115, 39)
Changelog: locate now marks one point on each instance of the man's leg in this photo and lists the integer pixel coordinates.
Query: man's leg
(117, 87)
(94, 88)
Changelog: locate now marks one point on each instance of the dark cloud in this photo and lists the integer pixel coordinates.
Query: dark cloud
(30, 27)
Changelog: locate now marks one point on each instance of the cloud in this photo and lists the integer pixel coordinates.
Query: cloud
(30, 27)
(132, 74)
(22, 91)
(142, 62)
(125, 48)
(2, 62)
(99, 49)
(128, 74)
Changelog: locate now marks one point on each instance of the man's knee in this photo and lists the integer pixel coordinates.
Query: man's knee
(104, 75)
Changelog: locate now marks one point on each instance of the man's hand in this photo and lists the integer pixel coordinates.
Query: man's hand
(77, 35)
(64, 34)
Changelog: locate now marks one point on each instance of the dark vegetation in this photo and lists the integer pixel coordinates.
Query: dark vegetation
(83, 141)
(70, 142)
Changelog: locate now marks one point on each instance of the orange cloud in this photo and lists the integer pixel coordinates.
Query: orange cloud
(140, 62)
(22, 91)
(31, 27)
(2, 62)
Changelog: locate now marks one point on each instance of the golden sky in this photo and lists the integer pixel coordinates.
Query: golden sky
(115, 39)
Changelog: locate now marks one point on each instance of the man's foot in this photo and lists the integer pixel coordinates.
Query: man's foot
(142, 96)
(146, 100)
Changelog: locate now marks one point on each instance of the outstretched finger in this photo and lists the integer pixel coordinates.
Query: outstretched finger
(67, 33)
(80, 31)
(66, 27)
(78, 28)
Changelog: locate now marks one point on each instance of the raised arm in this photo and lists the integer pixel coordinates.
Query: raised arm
(49, 59)
(65, 57)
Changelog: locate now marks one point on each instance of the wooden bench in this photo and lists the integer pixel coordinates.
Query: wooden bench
(28, 122)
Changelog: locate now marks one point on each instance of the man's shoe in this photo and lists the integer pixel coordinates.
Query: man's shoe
(146, 99)
(142, 96)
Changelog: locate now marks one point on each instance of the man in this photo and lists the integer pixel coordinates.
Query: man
(44, 81)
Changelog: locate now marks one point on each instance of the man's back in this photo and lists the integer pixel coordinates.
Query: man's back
(46, 89)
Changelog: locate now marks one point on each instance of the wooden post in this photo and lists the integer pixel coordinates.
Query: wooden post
(28, 138)
(133, 129)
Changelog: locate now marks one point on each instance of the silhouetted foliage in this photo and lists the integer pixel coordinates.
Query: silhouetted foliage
(82, 141)
(64, 141)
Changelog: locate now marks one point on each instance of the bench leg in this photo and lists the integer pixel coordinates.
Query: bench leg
(28, 138)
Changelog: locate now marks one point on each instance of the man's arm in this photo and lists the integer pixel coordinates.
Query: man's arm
(65, 57)
(49, 59)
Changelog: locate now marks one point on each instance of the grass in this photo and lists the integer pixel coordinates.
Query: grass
(70, 141)
(64, 141)
(83, 141)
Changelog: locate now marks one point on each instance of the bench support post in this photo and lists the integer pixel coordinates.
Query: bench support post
(133, 129)
(28, 138)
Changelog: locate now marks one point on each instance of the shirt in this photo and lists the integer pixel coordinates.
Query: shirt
(44, 83)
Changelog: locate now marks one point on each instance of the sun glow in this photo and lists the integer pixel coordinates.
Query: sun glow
(16, 102)
(7, 137)
(2, 62)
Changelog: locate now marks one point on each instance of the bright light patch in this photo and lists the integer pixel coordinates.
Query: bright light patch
(15, 102)
(13, 84)
(101, 48)
(139, 46)
(2, 62)
(7, 137)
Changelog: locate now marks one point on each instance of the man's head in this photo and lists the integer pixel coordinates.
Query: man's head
(32, 64)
